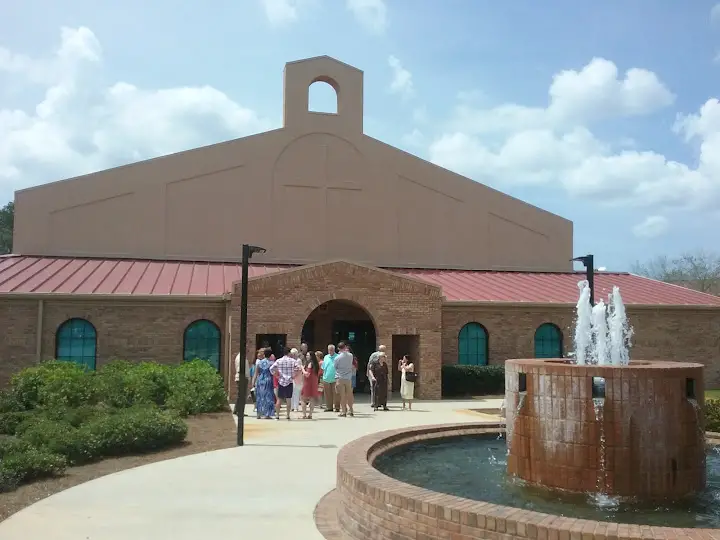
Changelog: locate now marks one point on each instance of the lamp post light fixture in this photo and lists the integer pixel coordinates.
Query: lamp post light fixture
(247, 252)
(588, 262)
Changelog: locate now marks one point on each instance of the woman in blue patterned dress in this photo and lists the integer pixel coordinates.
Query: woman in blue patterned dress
(263, 382)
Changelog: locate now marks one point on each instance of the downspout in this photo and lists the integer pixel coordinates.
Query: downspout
(39, 334)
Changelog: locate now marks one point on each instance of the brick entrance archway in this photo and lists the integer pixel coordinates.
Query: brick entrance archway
(280, 303)
(343, 320)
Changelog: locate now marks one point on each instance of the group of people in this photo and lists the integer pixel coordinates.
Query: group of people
(378, 373)
(299, 378)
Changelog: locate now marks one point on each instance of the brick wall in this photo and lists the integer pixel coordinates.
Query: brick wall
(18, 336)
(134, 331)
(281, 303)
(682, 334)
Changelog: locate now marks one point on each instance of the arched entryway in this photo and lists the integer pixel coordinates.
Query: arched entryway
(342, 320)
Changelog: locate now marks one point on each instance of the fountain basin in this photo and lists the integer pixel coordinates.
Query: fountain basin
(632, 431)
(374, 505)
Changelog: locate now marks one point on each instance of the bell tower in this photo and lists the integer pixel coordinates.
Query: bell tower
(347, 81)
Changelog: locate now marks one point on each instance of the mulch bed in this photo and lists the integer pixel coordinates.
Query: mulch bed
(206, 432)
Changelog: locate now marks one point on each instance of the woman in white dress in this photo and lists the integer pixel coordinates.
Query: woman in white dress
(407, 387)
(297, 381)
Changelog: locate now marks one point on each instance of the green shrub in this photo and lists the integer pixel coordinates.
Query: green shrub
(134, 430)
(54, 384)
(75, 416)
(9, 402)
(123, 384)
(27, 465)
(77, 445)
(12, 445)
(195, 387)
(10, 421)
(472, 380)
(712, 415)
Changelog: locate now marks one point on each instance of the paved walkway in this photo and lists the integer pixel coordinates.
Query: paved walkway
(269, 487)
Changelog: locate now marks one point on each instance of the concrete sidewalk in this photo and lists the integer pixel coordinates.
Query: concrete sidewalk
(268, 488)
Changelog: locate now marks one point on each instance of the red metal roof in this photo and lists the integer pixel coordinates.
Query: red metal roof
(556, 288)
(26, 274)
(20, 274)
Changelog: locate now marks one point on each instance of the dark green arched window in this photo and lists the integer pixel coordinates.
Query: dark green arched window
(76, 341)
(202, 340)
(473, 345)
(548, 341)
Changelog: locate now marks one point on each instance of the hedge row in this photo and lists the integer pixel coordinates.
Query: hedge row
(464, 381)
(58, 414)
(189, 388)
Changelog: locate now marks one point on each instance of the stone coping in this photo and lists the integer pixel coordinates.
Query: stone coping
(534, 365)
(375, 506)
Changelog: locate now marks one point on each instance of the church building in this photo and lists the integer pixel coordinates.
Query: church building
(363, 242)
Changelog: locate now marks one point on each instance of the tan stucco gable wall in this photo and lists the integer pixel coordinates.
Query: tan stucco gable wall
(317, 189)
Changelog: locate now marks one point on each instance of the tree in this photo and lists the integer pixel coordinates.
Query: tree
(699, 270)
(7, 219)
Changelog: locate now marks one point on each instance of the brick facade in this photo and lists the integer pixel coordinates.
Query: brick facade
(280, 303)
(128, 330)
(689, 333)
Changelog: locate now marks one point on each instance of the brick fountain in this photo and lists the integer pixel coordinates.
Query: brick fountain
(601, 423)
(640, 434)
(598, 424)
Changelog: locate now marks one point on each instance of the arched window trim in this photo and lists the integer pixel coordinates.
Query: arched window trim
(561, 337)
(220, 339)
(68, 322)
(487, 343)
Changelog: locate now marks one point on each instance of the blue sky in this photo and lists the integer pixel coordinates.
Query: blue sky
(533, 98)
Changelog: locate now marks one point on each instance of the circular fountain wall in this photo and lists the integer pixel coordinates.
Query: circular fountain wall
(635, 430)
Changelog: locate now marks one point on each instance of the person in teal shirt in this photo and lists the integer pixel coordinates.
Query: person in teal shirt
(332, 398)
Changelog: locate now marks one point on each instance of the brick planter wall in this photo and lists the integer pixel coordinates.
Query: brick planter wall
(375, 506)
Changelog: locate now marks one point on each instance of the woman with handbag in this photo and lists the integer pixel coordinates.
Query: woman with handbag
(407, 382)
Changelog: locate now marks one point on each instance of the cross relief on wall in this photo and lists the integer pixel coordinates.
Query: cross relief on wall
(324, 182)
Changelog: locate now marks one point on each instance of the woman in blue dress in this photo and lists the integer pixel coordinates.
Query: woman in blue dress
(263, 382)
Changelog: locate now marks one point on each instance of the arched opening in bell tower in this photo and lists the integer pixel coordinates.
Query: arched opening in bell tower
(323, 97)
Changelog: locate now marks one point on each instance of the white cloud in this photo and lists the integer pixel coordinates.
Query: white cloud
(575, 98)
(554, 145)
(280, 12)
(372, 14)
(402, 81)
(715, 13)
(651, 227)
(81, 126)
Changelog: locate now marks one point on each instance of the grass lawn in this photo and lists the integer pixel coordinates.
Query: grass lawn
(206, 432)
(712, 394)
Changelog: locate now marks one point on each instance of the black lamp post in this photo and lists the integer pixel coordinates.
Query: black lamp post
(247, 252)
(588, 262)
